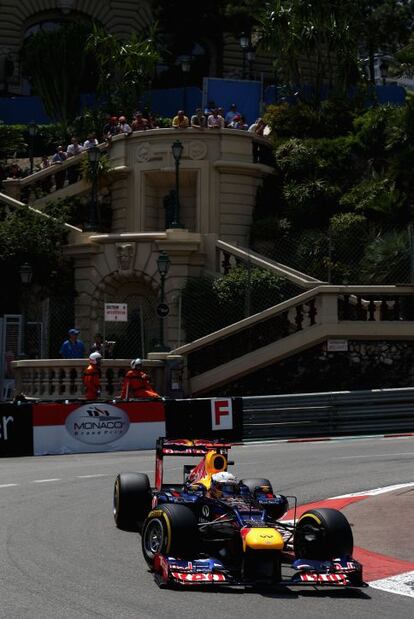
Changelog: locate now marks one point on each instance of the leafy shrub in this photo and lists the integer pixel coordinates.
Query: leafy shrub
(387, 259)
(292, 121)
(377, 198)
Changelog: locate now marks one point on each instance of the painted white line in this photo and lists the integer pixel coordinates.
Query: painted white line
(90, 476)
(375, 491)
(44, 481)
(8, 485)
(403, 584)
(402, 453)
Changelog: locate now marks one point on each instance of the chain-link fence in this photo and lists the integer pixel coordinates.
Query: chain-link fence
(210, 304)
(358, 254)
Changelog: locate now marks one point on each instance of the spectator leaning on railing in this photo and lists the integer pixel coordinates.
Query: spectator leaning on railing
(198, 120)
(180, 121)
(215, 121)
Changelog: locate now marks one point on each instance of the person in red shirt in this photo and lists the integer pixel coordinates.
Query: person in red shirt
(136, 383)
(92, 377)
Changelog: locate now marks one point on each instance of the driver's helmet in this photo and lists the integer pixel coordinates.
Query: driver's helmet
(223, 484)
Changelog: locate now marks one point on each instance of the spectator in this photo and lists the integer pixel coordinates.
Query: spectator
(180, 121)
(104, 348)
(140, 123)
(123, 126)
(238, 122)
(215, 121)
(90, 141)
(137, 383)
(257, 127)
(58, 158)
(92, 377)
(110, 128)
(46, 184)
(230, 114)
(15, 171)
(198, 120)
(209, 108)
(72, 348)
(73, 149)
(153, 121)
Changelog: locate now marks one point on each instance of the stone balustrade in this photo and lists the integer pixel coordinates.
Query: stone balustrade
(60, 379)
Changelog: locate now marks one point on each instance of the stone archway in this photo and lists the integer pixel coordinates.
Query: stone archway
(136, 337)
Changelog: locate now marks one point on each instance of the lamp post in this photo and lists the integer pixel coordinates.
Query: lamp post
(26, 273)
(94, 155)
(177, 151)
(244, 44)
(33, 129)
(251, 55)
(163, 265)
(185, 68)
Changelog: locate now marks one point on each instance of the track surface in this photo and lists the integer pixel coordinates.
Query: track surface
(61, 555)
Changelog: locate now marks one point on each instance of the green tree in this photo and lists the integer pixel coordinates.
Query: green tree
(313, 42)
(124, 67)
(58, 67)
(384, 26)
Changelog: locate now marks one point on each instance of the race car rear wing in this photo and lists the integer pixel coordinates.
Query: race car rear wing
(186, 447)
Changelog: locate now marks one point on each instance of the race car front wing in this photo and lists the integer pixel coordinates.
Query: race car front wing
(341, 572)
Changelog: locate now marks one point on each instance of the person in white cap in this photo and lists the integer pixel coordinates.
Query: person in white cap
(92, 377)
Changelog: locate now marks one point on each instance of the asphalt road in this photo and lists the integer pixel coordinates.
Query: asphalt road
(61, 555)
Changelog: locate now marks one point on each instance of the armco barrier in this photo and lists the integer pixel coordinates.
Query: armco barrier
(78, 426)
(307, 415)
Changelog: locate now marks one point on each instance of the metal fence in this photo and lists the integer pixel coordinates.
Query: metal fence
(356, 253)
(308, 415)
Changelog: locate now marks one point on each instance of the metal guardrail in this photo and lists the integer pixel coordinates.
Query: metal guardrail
(340, 413)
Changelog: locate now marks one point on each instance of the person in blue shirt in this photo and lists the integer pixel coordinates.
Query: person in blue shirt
(72, 348)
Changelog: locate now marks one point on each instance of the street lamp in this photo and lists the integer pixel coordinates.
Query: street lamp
(33, 129)
(177, 151)
(26, 273)
(163, 265)
(94, 155)
(244, 44)
(251, 55)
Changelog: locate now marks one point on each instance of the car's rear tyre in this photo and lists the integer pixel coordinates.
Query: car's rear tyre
(252, 484)
(132, 500)
(170, 529)
(323, 534)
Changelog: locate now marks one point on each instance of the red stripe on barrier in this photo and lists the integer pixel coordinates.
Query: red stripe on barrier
(56, 413)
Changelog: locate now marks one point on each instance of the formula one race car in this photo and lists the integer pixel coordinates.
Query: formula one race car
(211, 529)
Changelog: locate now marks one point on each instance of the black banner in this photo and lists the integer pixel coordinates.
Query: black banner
(16, 430)
(218, 418)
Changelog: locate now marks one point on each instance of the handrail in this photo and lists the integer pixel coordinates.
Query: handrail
(297, 277)
(304, 297)
(16, 203)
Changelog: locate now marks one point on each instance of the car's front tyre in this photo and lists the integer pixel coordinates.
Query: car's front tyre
(323, 534)
(170, 529)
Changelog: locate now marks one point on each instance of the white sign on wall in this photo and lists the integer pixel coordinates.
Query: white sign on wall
(116, 312)
(337, 345)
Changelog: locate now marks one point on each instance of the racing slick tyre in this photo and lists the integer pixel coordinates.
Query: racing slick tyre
(170, 529)
(323, 534)
(132, 500)
(252, 484)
